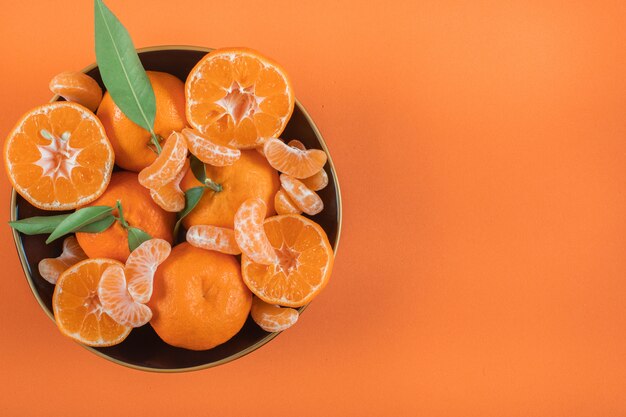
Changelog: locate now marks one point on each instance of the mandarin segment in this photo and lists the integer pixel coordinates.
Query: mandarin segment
(77, 87)
(77, 309)
(207, 151)
(272, 318)
(305, 260)
(167, 165)
(141, 266)
(49, 150)
(215, 238)
(283, 203)
(117, 302)
(293, 161)
(317, 181)
(51, 268)
(171, 197)
(250, 234)
(238, 97)
(304, 198)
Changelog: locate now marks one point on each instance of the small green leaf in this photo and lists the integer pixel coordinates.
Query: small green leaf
(136, 237)
(192, 197)
(121, 70)
(99, 226)
(38, 224)
(197, 167)
(79, 219)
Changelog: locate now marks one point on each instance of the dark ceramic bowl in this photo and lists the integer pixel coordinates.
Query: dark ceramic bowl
(143, 349)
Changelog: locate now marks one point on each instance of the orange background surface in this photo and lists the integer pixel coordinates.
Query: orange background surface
(481, 149)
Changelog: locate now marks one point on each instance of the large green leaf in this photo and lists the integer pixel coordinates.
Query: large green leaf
(121, 70)
(80, 219)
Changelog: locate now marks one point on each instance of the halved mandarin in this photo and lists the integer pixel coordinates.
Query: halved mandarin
(305, 261)
(51, 268)
(58, 156)
(272, 318)
(293, 161)
(238, 97)
(77, 308)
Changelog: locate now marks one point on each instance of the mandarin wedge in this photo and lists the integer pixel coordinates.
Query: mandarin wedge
(249, 232)
(77, 308)
(167, 165)
(305, 261)
(58, 156)
(283, 203)
(51, 268)
(303, 197)
(272, 318)
(209, 152)
(77, 87)
(317, 181)
(293, 161)
(141, 266)
(295, 143)
(117, 302)
(171, 197)
(214, 238)
(238, 97)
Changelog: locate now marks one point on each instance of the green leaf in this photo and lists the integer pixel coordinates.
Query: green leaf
(192, 197)
(197, 167)
(121, 70)
(99, 226)
(79, 219)
(38, 224)
(136, 237)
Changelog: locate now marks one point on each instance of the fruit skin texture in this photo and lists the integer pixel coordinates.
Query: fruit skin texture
(139, 211)
(199, 299)
(250, 176)
(130, 142)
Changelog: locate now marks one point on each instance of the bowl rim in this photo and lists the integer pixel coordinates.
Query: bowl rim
(22, 255)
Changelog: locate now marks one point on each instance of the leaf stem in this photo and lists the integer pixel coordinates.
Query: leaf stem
(209, 183)
(121, 219)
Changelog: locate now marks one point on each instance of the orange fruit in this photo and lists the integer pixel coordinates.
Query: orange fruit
(132, 142)
(250, 176)
(295, 143)
(209, 152)
(167, 165)
(139, 211)
(317, 181)
(77, 308)
(214, 238)
(117, 302)
(283, 203)
(249, 232)
(237, 97)
(141, 266)
(58, 156)
(170, 197)
(305, 261)
(304, 198)
(77, 87)
(293, 161)
(272, 318)
(199, 299)
(51, 268)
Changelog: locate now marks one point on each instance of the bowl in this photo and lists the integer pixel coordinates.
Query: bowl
(143, 349)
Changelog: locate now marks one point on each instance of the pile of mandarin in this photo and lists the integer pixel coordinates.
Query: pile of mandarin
(219, 135)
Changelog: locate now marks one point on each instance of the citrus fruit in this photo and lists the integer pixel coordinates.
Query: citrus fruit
(58, 156)
(249, 232)
(130, 141)
(272, 318)
(170, 197)
(295, 143)
(250, 176)
(209, 152)
(317, 181)
(167, 165)
(117, 302)
(77, 87)
(199, 299)
(139, 211)
(237, 97)
(77, 308)
(283, 203)
(51, 268)
(293, 161)
(304, 198)
(214, 238)
(141, 266)
(305, 260)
